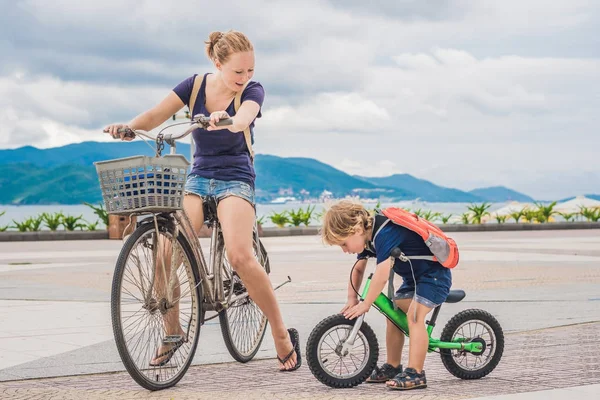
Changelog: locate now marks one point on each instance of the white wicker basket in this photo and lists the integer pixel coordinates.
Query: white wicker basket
(142, 183)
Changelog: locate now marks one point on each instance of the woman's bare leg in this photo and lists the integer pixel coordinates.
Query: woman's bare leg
(237, 217)
(192, 205)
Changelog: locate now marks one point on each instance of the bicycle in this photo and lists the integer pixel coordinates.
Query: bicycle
(332, 344)
(152, 298)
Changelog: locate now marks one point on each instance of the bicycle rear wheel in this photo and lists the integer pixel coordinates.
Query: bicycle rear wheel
(243, 324)
(143, 307)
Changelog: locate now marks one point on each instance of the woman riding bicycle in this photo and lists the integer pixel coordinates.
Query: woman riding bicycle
(223, 168)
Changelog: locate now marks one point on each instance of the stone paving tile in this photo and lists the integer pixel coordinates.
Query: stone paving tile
(532, 361)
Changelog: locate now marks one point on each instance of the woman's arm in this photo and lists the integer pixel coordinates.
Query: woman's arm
(155, 116)
(244, 116)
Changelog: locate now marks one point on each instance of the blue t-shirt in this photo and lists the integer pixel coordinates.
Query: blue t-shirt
(411, 244)
(221, 154)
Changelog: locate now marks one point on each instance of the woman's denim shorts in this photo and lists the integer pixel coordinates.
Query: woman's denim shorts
(203, 187)
(433, 287)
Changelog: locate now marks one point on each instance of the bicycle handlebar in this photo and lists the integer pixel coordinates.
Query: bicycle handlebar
(200, 121)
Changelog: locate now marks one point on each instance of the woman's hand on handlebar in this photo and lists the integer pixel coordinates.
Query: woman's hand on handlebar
(216, 117)
(119, 131)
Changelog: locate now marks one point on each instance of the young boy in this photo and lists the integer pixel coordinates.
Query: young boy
(350, 226)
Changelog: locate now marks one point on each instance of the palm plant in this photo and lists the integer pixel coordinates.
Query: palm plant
(279, 219)
(530, 215)
(517, 215)
(430, 216)
(71, 222)
(445, 218)
(22, 226)
(3, 228)
(91, 226)
(545, 211)
(53, 221)
(307, 216)
(418, 212)
(590, 214)
(35, 223)
(466, 218)
(296, 216)
(501, 218)
(568, 216)
(479, 211)
(100, 212)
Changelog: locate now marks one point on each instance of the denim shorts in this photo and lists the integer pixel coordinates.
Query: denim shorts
(433, 287)
(203, 187)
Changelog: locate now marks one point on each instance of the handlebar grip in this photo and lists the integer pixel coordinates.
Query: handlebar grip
(204, 121)
(224, 122)
(396, 252)
(128, 133)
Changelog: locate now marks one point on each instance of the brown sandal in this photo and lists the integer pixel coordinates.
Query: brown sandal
(384, 374)
(409, 379)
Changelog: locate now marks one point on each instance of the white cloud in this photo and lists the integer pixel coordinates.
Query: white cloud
(464, 93)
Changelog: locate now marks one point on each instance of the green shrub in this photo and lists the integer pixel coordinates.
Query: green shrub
(279, 219)
(445, 218)
(91, 226)
(501, 218)
(53, 221)
(479, 211)
(100, 212)
(544, 212)
(71, 223)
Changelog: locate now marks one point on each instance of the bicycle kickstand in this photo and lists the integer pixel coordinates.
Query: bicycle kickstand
(284, 283)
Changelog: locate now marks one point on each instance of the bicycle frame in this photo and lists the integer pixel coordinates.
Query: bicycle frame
(211, 275)
(385, 306)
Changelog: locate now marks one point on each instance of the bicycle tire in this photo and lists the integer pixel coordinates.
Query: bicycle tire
(244, 352)
(323, 358)
(494, 344)
(160, 377)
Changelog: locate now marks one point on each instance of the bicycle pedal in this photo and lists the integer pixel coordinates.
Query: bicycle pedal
(172, 339)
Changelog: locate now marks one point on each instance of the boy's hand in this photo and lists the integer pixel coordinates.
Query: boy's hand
(352, 301)
(357, 310)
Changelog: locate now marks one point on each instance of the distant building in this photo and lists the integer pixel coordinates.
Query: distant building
(325, 195)
(285, 191)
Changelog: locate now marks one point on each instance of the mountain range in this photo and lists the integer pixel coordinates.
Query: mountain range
(66, 175)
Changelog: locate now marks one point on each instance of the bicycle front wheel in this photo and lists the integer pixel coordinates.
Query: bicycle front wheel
(156, 310)
(243, 324)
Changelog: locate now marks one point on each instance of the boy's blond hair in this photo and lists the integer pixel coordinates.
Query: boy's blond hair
(342, 219)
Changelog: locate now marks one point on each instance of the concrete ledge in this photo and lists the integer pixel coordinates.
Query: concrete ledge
(518, 227)
(52, 235)
(290, 231)
(301, 231)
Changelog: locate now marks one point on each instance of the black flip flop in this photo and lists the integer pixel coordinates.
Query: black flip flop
(295, 339)
(176, 344)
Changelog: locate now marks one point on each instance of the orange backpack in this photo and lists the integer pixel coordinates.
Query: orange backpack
(443, 248)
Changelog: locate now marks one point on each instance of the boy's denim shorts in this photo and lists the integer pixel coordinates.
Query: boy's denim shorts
(433, 287)
(203, 187)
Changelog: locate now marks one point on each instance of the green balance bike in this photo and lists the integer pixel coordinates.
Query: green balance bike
(342, 353)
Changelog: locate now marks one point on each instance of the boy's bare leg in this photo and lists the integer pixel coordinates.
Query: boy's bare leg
(394, 337)
(419, 339)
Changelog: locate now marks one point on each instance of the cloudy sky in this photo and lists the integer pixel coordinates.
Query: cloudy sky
(465, 93)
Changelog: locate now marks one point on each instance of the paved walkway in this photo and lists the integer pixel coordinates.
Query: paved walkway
(544, 287)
